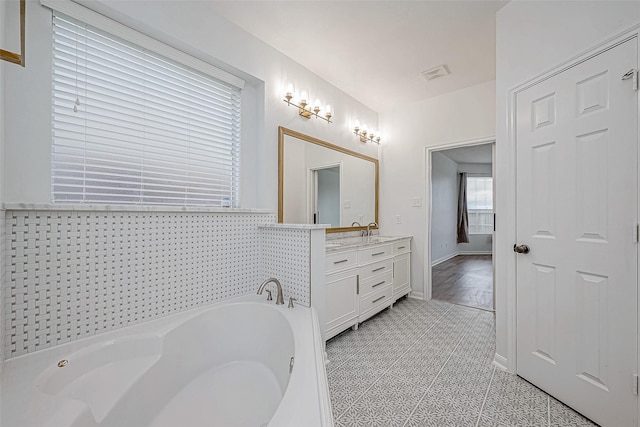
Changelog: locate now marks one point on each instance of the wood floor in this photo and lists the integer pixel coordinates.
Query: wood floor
(465, 280)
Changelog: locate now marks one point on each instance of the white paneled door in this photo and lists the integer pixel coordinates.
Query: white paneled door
(577, 215)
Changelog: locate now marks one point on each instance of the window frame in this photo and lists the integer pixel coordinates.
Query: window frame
(478, 212)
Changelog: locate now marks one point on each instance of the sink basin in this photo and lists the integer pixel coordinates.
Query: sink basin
(382, 238)
(348, 241)
(332, 245)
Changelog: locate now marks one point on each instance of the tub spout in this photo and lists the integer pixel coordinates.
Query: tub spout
(279, 296)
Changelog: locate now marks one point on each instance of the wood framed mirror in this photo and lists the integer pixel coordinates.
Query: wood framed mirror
(322, 183)
(17, 58)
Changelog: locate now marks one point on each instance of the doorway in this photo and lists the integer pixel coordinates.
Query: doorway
(459, 268)
(325, 195)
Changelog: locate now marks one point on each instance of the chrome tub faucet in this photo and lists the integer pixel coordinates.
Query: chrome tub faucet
(279, 296)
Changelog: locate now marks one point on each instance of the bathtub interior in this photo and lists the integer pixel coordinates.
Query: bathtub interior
(225, 366)
(115, 365)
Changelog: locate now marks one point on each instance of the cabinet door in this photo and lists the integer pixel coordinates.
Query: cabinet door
(401, 274)
(342, 301)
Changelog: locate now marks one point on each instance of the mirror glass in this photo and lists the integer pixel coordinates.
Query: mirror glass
(322, 183)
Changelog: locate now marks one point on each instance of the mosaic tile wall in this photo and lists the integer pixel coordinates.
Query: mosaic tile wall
(286, 256)
(72, 274)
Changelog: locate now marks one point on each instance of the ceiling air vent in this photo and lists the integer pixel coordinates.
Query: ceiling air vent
(434, 73)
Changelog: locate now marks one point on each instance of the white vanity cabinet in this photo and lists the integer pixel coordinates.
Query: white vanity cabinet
(401, 268)
(341, 292)
(364, 278)
(376, 279)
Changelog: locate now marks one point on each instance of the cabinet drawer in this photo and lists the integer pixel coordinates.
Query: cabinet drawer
(340, 260)
(377, 299)
(376, 283)
(376, 268)
(374, 253)
(401, 247)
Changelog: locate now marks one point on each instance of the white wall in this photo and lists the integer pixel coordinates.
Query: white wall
(475, 168)
(444, 208)
(296, 182)
(533, 37)
(458, 116)
(192, 27)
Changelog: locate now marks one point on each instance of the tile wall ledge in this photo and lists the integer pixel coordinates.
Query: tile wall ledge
(297, 226)
(128, 208)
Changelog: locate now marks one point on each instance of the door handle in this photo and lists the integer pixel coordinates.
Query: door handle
(521, 249)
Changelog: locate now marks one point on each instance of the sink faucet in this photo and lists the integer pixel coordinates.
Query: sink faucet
(279, 297)
(375, 224)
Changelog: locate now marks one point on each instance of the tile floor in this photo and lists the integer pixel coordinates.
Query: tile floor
(465, 280)
(429, 363)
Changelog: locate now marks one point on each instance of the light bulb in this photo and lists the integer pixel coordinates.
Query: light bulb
(328, 109)
(303, 97)
(290, 90)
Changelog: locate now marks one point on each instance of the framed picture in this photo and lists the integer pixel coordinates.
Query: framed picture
(16, 58)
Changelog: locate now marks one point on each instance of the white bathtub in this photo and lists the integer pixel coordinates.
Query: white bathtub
(241, 363)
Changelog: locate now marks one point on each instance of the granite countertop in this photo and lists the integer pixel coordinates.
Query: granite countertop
(346, 243)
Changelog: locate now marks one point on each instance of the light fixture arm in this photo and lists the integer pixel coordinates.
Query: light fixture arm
(366, 136)
(305, 110)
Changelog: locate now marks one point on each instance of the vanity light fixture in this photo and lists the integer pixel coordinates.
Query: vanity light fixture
(305, 109)
(366, 135)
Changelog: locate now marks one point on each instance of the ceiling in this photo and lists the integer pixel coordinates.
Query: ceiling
(472, 154)
(375, 51)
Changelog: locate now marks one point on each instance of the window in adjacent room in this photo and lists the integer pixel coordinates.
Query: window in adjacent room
(480, 204)
(131, 126)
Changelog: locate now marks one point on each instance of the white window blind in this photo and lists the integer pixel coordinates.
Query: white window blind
(132, 127)
(480, 204)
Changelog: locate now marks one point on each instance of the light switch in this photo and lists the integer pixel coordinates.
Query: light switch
(416, 202)
(398, 219)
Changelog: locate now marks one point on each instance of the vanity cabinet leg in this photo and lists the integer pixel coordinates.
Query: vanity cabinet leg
(354, 327)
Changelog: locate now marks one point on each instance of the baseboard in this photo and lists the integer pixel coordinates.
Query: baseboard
(443, 259)
(475, 253)
(416, 295)
(500, 362)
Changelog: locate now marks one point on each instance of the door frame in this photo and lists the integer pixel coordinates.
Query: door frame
(312, 189)
(427, 287)
(505, 267)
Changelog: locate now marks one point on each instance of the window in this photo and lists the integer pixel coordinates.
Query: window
(480, 204)
(130, 126)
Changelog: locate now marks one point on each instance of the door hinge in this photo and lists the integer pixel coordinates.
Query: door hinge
(632, 74)
(635, 384)
(636, 233)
